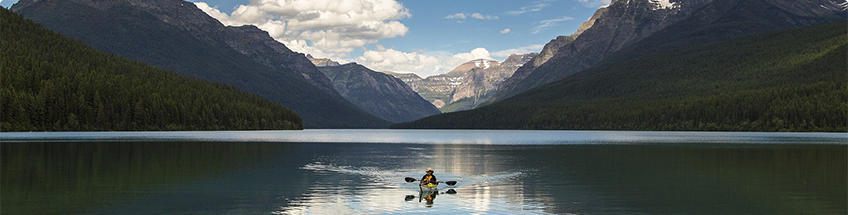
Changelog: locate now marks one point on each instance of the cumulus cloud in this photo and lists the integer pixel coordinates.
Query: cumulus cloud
(323, 28)
(548, 23)
(422, 63)
(462, 16)
(505, 31)
(426, 63)
(520, 50)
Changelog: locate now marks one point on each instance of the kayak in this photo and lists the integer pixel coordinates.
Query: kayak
(428, 187)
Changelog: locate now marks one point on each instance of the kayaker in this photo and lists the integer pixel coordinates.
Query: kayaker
(429, 178)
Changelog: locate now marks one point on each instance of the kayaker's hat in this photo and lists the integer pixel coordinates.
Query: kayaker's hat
(429, 169)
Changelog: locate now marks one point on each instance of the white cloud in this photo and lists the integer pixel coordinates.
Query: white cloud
(545, 24)
(537, 6)
(520, 50)
(422, 63)
(456, 16)
(462, 16)
(594, 3)
(481, 16)
(323, 28)
(505, 31)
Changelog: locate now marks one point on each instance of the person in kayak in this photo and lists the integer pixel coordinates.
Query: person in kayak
(429, 178)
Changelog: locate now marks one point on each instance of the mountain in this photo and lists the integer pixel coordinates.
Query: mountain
(405, 77)
(474, 64)
(618, 25)
(508, 88)
(54, 83)
(467, 85)
(626, 23)
(177, 36)
(435, 89)
(482, 81)
(790, 80)
(321, 62)
(380, 94)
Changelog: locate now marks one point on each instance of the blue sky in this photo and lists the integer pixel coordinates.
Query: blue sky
(423, 37)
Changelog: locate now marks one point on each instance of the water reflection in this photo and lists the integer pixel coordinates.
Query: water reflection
(344, 178)
(63, 178)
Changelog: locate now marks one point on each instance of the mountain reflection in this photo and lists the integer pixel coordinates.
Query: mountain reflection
(582, 178)
(62, 178)
(368, 178)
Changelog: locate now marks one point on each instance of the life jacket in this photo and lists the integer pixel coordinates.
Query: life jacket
(428, 178)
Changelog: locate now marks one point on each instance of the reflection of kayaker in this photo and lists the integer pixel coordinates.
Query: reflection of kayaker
(429, 197)
(428, 185)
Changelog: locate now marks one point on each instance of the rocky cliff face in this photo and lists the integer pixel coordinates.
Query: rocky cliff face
(625, 23)
(380, 94)
(550, 49)
(467, 85)
(436, 89)
(177, 36)
(322, 62)
(622, 23)
(480, 83)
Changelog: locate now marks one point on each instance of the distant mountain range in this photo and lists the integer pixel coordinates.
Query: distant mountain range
(467, 85)
(380, 94)
(681, 65)
(177, 36)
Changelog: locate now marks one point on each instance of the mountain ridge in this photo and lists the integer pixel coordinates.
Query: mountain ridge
(728, 19)
(54, 83)
(380, 94)
(177, 36)
(618, 25)
(763, 82)
(467, 85)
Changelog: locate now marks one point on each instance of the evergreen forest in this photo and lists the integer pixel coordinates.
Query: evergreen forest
(794, 80)
(53, 83)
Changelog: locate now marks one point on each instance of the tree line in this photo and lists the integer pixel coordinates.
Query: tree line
(52, 83)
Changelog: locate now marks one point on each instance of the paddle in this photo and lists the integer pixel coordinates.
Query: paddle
(411, 179)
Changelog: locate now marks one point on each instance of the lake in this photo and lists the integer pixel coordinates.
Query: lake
(363, 171)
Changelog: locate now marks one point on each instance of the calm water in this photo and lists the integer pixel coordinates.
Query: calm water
(362, 171)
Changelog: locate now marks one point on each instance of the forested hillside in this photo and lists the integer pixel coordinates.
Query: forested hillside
(177, 36)
(784, 81)
(52, 83)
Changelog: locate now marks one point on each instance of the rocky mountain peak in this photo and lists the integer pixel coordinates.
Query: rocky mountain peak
(627, 23)
(663, 4)
(468, 66)
(467, 85)
(518, 60)
(176, 35)
(322, 62)
(378, 93)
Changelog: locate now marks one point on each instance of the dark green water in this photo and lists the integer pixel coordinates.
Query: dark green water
(211, 177)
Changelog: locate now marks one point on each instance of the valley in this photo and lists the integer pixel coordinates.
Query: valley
(646, 48)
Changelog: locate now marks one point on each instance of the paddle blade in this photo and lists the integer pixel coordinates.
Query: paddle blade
(409, 179)
(451, 183)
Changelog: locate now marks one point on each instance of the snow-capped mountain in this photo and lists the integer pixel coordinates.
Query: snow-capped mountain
(467, 85)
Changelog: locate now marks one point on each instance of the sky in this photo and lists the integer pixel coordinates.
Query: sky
(407, 36)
